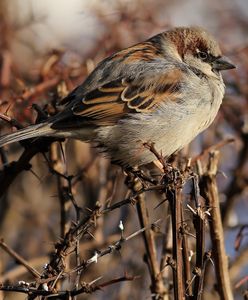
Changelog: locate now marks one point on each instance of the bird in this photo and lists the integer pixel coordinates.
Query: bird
(163, 91)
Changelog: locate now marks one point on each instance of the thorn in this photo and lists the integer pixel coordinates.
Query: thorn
(93, 258)
(23, 283)
(35, 175)
(121, 227)
(45, 287)
(95, 280)
(191, 254)
(191, 209)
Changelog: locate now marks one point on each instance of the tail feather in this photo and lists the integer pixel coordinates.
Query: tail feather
(33, 131)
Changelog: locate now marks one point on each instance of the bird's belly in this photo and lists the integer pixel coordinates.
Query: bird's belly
(169, 130)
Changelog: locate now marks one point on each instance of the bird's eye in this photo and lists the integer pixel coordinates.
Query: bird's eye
(202, 55)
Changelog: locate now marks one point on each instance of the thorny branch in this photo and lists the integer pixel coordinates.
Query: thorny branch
(186, 254)
(45, 281)
(171, 183)
(209, 191)
(86, 288)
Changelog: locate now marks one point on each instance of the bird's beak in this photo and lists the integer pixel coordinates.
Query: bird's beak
(222, 63)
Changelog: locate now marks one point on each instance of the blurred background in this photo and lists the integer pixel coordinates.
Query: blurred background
(49, 47)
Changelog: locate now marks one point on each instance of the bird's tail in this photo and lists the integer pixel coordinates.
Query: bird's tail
(33, 131)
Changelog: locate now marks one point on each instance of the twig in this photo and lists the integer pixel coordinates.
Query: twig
(186, 260)
(240, 236)
(238, 263)
(11, 171)
(19, 270)
(68, 244)
(238, 181)
(167, 232)
(85, 289)
(11, 121)
(212, 148)
(158, 290)
(199, 221)
(175, 199)
(210, 192)
(241, 282)
(19, 259)
(173, 182)
(114, 247)
(40, 88)
(157, 287)
(58, 167)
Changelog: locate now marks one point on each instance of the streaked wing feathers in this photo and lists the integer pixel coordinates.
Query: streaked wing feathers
(108, 103)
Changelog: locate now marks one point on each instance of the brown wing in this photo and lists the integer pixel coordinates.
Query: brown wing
(110, 102)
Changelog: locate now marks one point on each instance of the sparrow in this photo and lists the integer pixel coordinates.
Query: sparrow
(164, 91)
